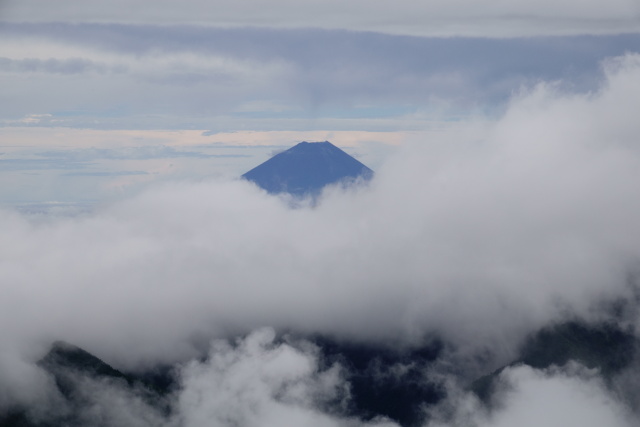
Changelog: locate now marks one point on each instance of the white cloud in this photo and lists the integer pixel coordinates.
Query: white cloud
(257, 382)
(568, 396)
(480, 239)
(557, 399)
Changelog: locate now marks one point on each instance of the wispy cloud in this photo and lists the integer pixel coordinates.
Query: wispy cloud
(55, 66)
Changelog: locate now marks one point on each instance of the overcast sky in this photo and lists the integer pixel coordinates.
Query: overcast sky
(426, 18)
(310, 68)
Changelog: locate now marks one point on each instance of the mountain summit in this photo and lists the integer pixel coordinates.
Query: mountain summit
(306, 168)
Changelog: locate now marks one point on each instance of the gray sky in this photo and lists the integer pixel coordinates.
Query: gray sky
(223, 68)
(426, 18)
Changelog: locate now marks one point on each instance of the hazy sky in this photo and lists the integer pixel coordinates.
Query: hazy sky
(504, 136)
(231, 72)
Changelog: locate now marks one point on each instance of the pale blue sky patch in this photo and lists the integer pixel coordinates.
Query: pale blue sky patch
(99, 174)
(131, 153)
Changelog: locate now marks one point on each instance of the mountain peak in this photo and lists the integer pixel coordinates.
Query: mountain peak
(306, 168)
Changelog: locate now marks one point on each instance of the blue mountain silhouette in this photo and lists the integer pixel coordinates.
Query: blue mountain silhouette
(306, 168)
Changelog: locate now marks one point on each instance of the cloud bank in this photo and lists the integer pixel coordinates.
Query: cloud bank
(478, 239)
(115, 76)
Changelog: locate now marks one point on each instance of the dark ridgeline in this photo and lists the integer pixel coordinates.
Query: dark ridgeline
(603, 346)
(305, 169)
(77, 375)
(383, 381)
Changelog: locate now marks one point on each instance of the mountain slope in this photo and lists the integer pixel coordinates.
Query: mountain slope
(605, 347)
(89, 389)
(307, 168)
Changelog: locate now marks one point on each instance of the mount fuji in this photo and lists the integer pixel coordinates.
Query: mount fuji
(306, 168)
